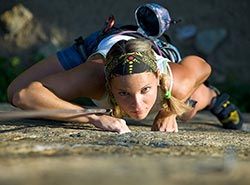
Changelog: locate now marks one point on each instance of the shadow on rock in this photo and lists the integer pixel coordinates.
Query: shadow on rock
(28, 123)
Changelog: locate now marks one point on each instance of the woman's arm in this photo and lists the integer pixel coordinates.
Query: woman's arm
(54, 92)
(41, 69)
(188, 76)
(165, 122)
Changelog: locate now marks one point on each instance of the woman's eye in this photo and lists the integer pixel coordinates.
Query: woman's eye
(123, 93)
(145, 90)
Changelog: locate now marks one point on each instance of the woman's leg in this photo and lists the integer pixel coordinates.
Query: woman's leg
(203, 95)
(218, 103)
(48, 66)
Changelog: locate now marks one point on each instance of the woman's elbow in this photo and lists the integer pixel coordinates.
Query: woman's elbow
(204, 66)
(11, 90)
(14, 89)
(202, 69)
(24, 97)
(10, 93)
(207, 69)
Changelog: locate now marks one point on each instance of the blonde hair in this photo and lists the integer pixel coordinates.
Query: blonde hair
(171, 104)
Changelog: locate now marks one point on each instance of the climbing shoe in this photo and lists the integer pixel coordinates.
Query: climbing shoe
(227, 113)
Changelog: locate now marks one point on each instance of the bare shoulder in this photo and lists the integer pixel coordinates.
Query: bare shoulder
(190, 66)
(194, 62)
(190, 73)
(85, 80)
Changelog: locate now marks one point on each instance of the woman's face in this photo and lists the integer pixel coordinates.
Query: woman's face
(136, 93)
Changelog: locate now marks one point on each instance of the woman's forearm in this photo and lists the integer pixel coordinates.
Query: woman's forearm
(38, 97)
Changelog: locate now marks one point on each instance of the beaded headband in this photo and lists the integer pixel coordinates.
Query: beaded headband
(130, 63)
(135, 62)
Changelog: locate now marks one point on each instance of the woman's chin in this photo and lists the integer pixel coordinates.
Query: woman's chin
(138, 116)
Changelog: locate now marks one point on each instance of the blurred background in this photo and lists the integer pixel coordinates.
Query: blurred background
(217, 30)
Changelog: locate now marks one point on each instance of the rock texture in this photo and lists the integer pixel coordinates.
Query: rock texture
(16, 19)
(49, 152)
(58, 24)
(207, 41)
(19, 27)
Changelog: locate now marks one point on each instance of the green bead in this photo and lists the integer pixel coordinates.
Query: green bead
(168, 95)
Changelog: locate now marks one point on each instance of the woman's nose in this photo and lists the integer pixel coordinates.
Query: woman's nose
(136, 101)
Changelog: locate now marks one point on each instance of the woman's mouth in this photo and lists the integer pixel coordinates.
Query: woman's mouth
(138, 112)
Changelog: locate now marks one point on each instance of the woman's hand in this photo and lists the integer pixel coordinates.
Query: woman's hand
(109, 123)
(165, 122)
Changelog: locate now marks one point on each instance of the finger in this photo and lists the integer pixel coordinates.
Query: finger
(176, 127)
(154, 127)
(123, 121)
(169, 128)
(162, 128)
(124, 131)
(124, 128)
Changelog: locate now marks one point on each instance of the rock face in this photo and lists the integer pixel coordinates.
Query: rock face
(186, 32)
(19, 26)
(80, 18)
(207, 41)
(49, 152)
(16, 19)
